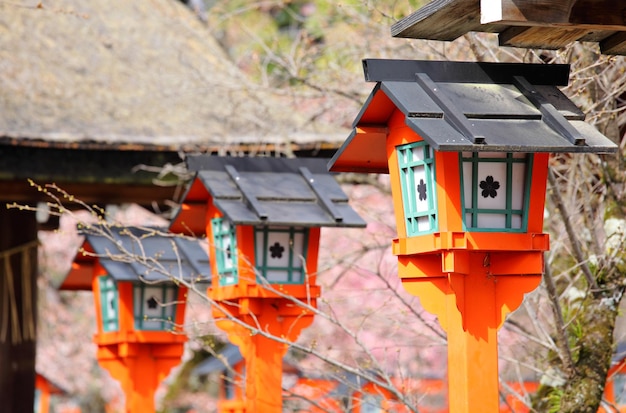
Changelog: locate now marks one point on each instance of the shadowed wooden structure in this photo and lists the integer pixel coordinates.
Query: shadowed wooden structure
(540, 24)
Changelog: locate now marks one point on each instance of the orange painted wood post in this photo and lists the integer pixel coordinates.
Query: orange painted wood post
(473, 347)
(264, 382)
(471, 308)
(140, 368)
(263, 351)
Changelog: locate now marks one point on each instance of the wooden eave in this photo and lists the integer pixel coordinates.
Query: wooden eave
(102, 173)
(94, 176)
(541, 24)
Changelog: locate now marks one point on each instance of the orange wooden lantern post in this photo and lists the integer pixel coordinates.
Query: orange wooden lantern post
(140, 305)
(44, 389)
(262, 217)
(466, 146)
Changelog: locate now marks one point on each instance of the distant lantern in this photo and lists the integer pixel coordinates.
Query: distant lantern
(262, 218)
(467, 146)
(137, 277)
(44, 392)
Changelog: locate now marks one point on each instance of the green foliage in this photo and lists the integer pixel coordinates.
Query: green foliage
(554, 400)
(286, 42)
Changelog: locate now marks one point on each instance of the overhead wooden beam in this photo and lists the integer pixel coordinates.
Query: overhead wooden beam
(540, 37)
(615, 44)
(580, 14)
(441, 20)
(525, 12)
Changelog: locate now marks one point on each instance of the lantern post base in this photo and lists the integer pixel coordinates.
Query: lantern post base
(471, 308)
(139, 368)
(262, 338)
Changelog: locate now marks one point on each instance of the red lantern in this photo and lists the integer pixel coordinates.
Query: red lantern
(466, 146)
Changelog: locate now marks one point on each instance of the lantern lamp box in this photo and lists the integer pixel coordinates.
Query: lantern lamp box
(262, 217)
(466, 145)
(136, 276)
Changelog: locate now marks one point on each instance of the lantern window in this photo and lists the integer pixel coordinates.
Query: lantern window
(371, 404)
(281, 254)
(154, 306)
(225, 251)
(619, 387)
(109, 303)
(495, 189)
(417, 176)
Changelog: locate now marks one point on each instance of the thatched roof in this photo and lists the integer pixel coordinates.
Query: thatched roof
(145, 72)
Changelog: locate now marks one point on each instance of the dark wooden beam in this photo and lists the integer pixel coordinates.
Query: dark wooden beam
(525, 12)
(614, 45)
(442, 20)
(587, 14)
(18, 295)
(541, 24)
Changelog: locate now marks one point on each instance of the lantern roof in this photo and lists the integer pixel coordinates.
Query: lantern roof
(137, 254)
(227, 357)
(267, 191)
(468, 106)
(549, 24)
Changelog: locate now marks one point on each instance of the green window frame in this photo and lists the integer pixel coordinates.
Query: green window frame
(225, 242)
(280, 254)
(154, 306)
(416, 163)
(109, 303)
(487, 175)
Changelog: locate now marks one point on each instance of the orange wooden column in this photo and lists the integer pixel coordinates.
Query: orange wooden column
(139, 360)
(263, 354)
(471, 308)
(139, 369)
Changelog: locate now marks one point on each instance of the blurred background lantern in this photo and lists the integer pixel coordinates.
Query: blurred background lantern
(139, 277)
(262, 217)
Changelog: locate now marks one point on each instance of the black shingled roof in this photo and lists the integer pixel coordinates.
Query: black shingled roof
(469, 106)
(155, 256)
(274, 191)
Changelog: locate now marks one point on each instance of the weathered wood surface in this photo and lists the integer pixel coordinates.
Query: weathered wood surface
(542, 24)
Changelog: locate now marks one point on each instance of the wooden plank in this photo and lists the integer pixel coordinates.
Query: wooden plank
(540, 37)
(525, 12)
(615, 44)
(608, 14)
(440, 20)
(589, 14)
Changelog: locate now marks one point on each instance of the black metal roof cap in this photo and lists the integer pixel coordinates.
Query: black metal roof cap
(275, 191)
(147, 254)
(377, 70)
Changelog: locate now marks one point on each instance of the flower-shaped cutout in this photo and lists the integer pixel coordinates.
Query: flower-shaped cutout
(228, 252)
(489, 187)
(421, 190)
(277, 250)
(152, 303)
